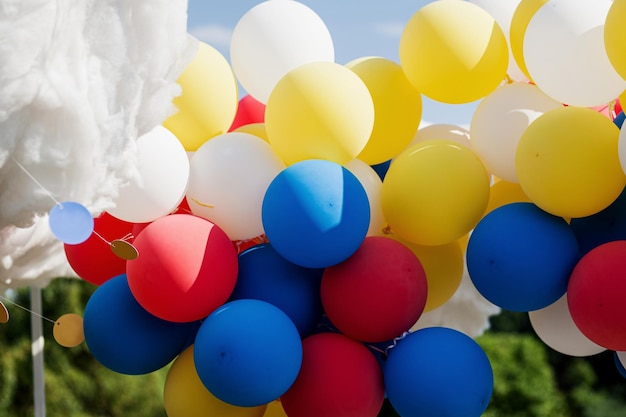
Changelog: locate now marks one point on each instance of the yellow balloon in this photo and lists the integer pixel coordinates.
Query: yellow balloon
(434, 192)
(256, 129)
(454, 52)
(615, 36)
(184, 395)
(208, 103)
(567, 162)
(525, 11)
(443, 265)
(505, 192)
(320, 110)
(397, 108)
(275, 409)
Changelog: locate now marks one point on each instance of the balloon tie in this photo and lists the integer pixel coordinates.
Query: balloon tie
(32, 177)
(508, 79)
(612, 113)
(395, 342)
(26, 309)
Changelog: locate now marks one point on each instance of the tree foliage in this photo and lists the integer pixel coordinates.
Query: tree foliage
(76, 384)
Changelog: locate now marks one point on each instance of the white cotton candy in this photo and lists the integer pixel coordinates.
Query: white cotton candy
(79, 82)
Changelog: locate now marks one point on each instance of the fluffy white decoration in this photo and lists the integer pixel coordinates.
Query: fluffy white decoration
(79, 82)
(466, 311)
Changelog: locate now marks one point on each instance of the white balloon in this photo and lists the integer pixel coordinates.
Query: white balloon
(442, 131)
(466, 311)
(273, 38)
(162, 181)
(502, 11)
(499, 122)
(555, 327)
(372, 184)
(228, 178)
(565, 54)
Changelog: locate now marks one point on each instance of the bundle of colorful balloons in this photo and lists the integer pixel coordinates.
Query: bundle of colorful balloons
(283, 245)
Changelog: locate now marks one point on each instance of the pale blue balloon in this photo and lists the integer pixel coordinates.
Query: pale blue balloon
(70, 222)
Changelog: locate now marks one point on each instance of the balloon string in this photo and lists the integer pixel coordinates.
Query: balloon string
(127, 236)
(25, 309)
(202, 204)
(32, 177)
(395, 342)
(102, 238)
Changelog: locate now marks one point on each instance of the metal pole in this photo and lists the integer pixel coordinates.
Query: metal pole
(36, 331)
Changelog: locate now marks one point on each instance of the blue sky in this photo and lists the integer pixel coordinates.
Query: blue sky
(359, 28)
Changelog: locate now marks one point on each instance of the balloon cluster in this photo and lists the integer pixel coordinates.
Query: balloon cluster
(271, 261)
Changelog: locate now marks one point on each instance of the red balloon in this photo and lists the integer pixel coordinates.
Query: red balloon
(339, 377)
(93, 260)
(187, 267)
(249, 111)
(596, 294)
(376, 294)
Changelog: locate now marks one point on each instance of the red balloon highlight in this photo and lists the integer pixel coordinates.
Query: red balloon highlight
(187, 267)
(596, 294)
(93, 260)
(249, 111)
(376, 294)
(339, 377)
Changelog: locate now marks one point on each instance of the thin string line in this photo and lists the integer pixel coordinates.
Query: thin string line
(103, 239)
(25, 309)
(36, 182)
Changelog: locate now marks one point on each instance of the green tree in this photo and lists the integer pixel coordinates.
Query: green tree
(76, 384)
(524, 382)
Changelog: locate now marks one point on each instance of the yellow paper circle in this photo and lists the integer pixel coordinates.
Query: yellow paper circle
(208, 103)
(4, 313)
(434, 192)
(68, 330)
(567, 162)
(615, 36)
(124, 250)
(454, 52)
(397, 108)
(184, 395)
(525, 11)
(443, 266)
(319, 110)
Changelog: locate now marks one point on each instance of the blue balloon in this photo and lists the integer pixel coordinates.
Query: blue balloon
(619, 119)
(381, 169)
(267, 276)
(438, 372)
(618, 365)
(605, 226)
(520, 258)
(70, 222)
(315, 213)
(248, 353)
(124, 337)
